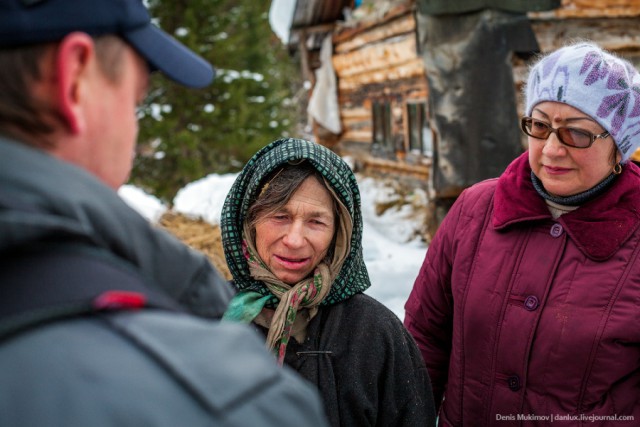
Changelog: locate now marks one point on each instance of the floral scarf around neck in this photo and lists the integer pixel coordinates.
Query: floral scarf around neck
(333, 280)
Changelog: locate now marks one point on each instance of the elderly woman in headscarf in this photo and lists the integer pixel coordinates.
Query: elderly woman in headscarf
(292, 236)
(527, 306)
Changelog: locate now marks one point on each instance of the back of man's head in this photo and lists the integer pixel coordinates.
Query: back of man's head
(24, 22)
(50, 96)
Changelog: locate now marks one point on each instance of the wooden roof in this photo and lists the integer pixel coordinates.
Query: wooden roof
(316, 16)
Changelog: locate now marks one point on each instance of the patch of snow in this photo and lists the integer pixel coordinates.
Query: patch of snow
(392, 255)
(145, 204)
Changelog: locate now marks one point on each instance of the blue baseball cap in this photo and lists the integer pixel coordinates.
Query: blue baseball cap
(35, 21)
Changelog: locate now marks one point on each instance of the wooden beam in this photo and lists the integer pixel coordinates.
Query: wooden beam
(614, 34)
(311, 29)
(375, 56)
(307, 72)
(401, 26)
(411, 69)
(592, 9)
(383, 165)
(346, 33)
(357, 136)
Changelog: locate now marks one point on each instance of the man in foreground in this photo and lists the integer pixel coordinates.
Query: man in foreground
(98, 309)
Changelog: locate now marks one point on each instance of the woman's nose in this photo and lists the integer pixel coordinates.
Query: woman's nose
(294, 236)
(553, 146)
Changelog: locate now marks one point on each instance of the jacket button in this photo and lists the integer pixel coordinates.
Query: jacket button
(513, 382)
(556, 230)
(531, 302)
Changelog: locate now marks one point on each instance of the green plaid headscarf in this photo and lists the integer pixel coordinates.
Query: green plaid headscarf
(353, 277)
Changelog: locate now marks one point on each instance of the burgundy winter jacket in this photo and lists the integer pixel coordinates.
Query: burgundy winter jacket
(520, 317)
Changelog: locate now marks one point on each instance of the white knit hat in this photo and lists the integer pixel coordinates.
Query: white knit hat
(594, 81)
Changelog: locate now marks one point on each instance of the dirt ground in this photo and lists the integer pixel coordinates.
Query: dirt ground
(198, 234)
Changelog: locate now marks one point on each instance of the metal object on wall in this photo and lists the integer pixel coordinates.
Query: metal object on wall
(471, 93)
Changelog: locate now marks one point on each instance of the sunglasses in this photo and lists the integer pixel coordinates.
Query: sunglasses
(571, 137)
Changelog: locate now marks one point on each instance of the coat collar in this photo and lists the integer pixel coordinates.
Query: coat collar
(45, 199)
(599, 227)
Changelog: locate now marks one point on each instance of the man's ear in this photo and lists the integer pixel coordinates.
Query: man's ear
(73, 60)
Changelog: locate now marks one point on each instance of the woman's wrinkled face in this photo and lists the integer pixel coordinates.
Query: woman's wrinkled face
(563, 170)
(293, 240)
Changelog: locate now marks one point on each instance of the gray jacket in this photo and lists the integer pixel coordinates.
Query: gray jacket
(130, 368)
(44, 199)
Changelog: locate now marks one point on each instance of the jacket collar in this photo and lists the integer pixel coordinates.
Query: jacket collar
(45, 199)
(599, 227)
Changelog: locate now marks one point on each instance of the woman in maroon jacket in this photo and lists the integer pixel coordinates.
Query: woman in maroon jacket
(527, 306)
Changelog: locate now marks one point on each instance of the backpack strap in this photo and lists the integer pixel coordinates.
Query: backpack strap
(68, 280)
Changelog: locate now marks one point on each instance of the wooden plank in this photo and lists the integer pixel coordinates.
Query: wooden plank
(363, 130)
(604, 4)
(351, 29)
(592, 9)
(354, 113)
(616, 34)
(377, 56)
(400, 26)
(307, 73)
(363, 123)
(363, 127)
(357, 136)
(390, 166)
(413, 68)
(402, 89)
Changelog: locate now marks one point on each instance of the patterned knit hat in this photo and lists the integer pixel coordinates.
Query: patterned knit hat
(594, 81)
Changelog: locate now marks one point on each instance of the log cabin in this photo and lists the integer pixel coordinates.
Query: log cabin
(381, 89)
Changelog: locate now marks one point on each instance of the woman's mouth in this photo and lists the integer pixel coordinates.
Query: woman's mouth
(292, 263)
(554, 170)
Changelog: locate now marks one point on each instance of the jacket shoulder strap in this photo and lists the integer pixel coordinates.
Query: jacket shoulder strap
(55, 282)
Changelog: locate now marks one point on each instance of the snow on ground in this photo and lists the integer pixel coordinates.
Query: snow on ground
(148, 206)
(204, 198)
(392, 258)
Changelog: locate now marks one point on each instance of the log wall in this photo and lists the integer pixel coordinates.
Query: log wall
(379, 61)
(613, 24)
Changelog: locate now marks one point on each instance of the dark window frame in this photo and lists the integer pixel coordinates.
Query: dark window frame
(417, 127)
(382, 125)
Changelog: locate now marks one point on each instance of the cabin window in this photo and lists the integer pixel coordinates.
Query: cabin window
(382, 125)
(420, 137)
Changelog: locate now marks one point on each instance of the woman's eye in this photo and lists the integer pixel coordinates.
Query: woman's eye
(539, 125)
(578, 133)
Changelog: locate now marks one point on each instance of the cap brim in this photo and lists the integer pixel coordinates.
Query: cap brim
(171, 57)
